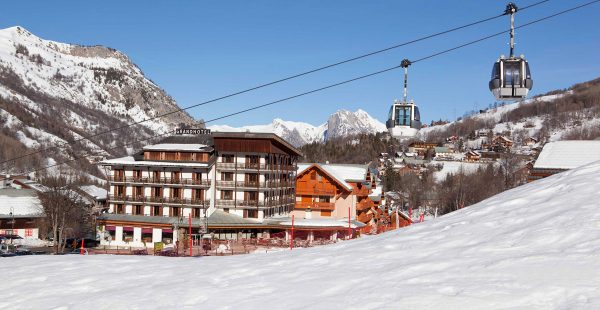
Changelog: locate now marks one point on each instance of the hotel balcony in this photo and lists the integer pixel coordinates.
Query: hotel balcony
(161, 181)
(239, 203)
(254, 167)
(158, 200)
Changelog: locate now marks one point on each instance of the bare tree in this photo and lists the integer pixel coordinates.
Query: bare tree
(63, 207)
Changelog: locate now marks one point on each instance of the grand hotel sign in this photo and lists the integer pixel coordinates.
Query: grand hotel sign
(190, 131)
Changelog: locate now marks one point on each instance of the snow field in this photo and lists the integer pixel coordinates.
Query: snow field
(532, 247)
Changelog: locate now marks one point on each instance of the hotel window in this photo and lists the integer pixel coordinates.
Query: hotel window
(324, 199)
(175, 175)
(138, 191)
(251, 196)
(197, 176)
(196, 212)
(120, 209)
(251, 213)
(156, 192)
(227, 195)
(157, 211)
(156, 176)
(227, 158)
(119, 174)
(120, 190)
(175, 211)
(198, 194)
(137, 174)
(176, 192)
(227, 176)
(138, 210)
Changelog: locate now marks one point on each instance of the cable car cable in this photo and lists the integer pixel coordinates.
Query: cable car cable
(272, 83)
(343, 82)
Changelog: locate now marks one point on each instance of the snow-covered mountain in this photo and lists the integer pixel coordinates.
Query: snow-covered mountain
(53, 92)
(339, 124)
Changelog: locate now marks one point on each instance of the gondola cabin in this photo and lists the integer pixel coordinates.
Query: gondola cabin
(404, 120)
(511, 78)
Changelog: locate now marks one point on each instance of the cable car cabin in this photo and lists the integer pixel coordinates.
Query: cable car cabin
(511, 79)
(404, 120)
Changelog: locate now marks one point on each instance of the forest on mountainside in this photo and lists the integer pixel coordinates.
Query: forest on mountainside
(355, 149)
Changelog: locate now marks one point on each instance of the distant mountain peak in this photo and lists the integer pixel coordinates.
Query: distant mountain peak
(339, 124)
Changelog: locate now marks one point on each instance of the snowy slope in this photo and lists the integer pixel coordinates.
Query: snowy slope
(339, 124)
(532, 247)
(496, 121)
(54, 92)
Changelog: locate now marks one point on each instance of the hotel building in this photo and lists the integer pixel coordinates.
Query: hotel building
(227, 183)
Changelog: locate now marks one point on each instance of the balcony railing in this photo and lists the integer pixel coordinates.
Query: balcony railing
(239, 203)
(178, 181)
(328, 206)
(246, 184)
(151, 199)
(254, 166)
(315, 191)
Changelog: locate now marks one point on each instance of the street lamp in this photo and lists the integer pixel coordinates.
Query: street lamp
(12, 230)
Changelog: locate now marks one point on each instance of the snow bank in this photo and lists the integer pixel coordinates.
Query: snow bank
(533, 247)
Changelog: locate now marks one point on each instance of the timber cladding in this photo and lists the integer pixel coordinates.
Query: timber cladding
(253, 143)
(242, 145)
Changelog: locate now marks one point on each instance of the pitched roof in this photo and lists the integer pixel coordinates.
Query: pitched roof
(21, 202)
(342, 173)
(568, 154)
(94, 191)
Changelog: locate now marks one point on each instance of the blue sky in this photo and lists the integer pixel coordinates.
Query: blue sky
(199, 50)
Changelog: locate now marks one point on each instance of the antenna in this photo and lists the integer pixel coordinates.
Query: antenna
(404, 64)
(511, 9)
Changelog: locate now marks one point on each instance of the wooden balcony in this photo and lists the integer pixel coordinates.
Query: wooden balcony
(327, 206)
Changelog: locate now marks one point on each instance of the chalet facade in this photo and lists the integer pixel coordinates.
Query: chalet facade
(561, 156)
(21, 213)
(421, 148)
(332, 191)
(229, 184)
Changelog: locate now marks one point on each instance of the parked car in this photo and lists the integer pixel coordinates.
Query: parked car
(7, 250)
(78, 251)
(10, 237)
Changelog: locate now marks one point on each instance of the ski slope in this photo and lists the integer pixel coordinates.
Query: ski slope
(534, 247)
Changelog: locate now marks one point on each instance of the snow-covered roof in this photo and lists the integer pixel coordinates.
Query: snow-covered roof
(130, 161)
(175, 147)
(22, 202)
(343, 173)
(568, 154)
(94, 191)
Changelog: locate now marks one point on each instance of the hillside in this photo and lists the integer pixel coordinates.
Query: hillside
(571, 114)
(340, 124)
(53, 92)
(532, 247)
